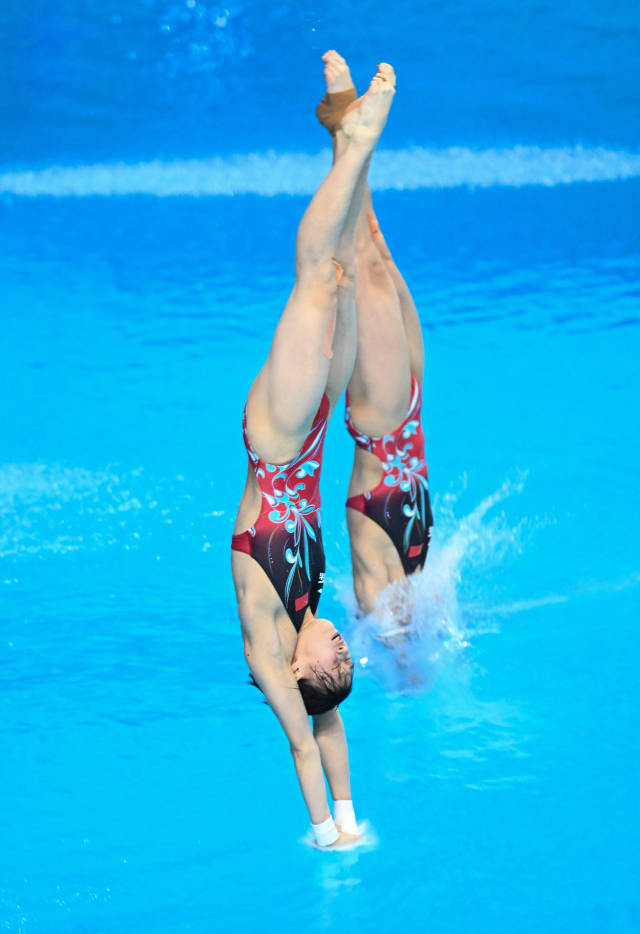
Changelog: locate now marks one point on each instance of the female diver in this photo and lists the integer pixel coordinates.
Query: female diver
(300, 661)
(388, 509)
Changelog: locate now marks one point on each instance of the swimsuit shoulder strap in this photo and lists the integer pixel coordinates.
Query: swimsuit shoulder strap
(312, 445)
(416, 398)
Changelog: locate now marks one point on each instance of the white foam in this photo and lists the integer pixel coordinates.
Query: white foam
(277, 173)
(424, 624)
(594, 588)
(60, 509)
(368, 839)
(420, 626)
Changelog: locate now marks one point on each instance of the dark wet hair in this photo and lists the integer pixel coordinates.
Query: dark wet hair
(325, 693)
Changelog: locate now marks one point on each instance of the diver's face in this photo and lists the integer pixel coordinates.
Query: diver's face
(321, 646)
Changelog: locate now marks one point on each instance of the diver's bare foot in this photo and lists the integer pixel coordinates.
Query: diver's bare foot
(340, 91)
(364, 120)
(336, 72)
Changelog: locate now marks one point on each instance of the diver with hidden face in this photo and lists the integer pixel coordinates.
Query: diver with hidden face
(389, 514)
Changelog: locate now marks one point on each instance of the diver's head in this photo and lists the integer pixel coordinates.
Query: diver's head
(321, 665)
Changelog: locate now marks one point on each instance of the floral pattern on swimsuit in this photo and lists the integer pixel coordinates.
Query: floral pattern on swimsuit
(400, 503)
(286, 539)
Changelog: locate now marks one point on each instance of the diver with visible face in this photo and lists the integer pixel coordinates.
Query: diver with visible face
(300, 661)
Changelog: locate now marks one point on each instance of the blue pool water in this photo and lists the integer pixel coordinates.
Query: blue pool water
(156, 159)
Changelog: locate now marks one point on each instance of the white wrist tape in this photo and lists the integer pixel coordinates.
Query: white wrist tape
(326, 832)
(345, 816)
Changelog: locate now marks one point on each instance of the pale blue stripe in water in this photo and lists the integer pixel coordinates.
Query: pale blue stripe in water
(275, 173)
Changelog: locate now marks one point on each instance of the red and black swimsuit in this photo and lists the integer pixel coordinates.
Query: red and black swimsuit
(400, 503)
(285, 539)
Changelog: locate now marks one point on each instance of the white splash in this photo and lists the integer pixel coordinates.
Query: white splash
(60, 509)
(368, 840)
(593, 588)
(298, 173)
(419, 625)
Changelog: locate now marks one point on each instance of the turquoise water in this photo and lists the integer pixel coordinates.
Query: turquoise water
(145, 788)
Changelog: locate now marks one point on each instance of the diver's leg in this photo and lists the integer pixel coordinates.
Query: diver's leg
(340, 93)
(287, 391)
(382, 331)
(380, 387)
(386, 338)
(345, 339)
(407, 305)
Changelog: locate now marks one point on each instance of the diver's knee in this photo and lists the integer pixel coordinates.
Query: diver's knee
(318, 288)
(345, 271)
(317, 273)
(371, 264)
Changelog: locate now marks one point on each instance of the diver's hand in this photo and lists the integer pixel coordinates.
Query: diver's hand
(394, 637)
(345, 839)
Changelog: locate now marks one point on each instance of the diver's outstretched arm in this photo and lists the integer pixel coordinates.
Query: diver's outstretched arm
(328, 731)
(263, 653)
